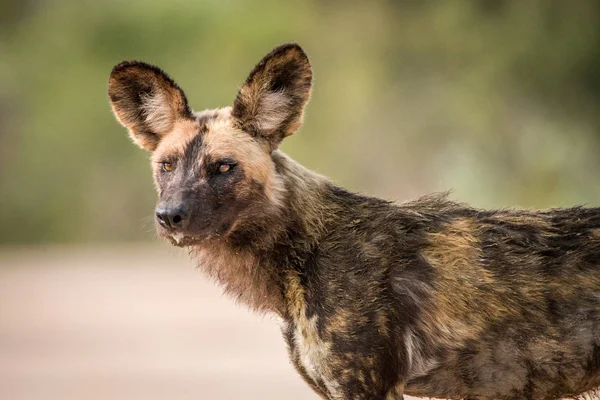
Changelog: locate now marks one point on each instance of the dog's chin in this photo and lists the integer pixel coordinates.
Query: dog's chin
(182, 240)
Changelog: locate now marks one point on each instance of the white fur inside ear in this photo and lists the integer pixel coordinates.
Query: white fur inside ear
(272, 111)
(157, 112)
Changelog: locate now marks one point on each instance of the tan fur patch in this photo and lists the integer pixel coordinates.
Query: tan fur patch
(383, 322)
(173, 144)
(523, 219)
(395, 393)
(222, 140)
(312, 350)
(455, 253)
(340, 320)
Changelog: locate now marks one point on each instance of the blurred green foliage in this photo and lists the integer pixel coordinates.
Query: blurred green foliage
(498, 100)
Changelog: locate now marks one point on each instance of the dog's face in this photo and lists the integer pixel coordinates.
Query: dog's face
(213, 170)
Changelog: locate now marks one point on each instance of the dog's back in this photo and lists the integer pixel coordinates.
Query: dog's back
(515, 302)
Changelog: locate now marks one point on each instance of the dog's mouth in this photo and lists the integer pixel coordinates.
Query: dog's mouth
(180, 238)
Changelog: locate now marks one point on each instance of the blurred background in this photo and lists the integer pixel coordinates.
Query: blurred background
(497, 100)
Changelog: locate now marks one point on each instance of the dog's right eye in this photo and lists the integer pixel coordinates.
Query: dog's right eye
(166, 167)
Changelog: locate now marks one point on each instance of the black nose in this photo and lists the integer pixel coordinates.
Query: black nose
(172, 218)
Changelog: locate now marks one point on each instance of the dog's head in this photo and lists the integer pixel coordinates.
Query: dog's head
(213, 170)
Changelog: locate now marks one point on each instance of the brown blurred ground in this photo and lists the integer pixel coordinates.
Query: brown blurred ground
(131, 323)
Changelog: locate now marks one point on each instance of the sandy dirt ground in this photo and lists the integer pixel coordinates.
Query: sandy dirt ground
(132, 322)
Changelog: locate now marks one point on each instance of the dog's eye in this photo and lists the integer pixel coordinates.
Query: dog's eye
(223, 168)
(167, 167)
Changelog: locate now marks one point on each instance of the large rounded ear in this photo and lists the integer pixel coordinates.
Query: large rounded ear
(271, 102)
(146, 101)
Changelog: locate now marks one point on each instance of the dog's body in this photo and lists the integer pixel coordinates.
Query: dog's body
(429, 298)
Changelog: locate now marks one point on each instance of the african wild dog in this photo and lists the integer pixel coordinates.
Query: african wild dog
(428, 298)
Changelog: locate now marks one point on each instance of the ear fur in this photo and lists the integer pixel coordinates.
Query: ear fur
(146, 101)
(271, 102)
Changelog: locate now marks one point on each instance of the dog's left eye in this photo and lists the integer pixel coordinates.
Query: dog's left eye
(223, 168)
(167, 167)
